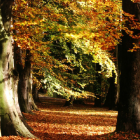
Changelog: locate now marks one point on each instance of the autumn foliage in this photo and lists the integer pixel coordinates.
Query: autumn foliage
(96, 24)
(66, 38)
(54, 122)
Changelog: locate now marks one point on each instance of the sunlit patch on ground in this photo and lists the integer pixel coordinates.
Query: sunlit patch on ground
(71, 122)
(85, 113)
(80, 122)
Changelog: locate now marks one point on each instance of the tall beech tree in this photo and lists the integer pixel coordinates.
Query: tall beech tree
(24, 69)
(23, 47)
(129, 98)
(11, 123)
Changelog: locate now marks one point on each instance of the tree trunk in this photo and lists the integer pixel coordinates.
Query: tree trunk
(118, 75)
(129, 98)
(112, 94)
(32, 103)
(70, 101)
(24, 69)
(15, 87)
(10, 121)
(25, 81)
(35, 93)
(98, 88)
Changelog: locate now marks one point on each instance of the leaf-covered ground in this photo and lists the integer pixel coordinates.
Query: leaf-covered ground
(80, 122)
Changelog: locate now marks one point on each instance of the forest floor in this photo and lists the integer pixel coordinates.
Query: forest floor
(79, 122)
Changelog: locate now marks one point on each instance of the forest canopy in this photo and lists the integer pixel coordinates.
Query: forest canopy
(67, 39)
(76, 49)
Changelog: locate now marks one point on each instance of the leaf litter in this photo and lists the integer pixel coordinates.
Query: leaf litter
(80, 122)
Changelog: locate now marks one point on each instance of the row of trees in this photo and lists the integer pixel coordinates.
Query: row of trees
(75, 49)
(86, 24)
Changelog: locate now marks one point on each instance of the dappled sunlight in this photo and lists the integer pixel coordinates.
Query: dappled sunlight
(72, 129)
(85, 112)
(77, 122)
(56, 106)
(80, 122)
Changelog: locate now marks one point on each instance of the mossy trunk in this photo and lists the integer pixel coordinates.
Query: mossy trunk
(11, 123)
(15, 96)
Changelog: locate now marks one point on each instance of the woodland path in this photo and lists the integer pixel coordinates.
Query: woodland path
(80, 122)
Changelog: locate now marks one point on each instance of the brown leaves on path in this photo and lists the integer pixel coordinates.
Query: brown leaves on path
(80, 122)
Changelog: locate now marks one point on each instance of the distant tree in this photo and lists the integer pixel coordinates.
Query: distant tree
(111, 96)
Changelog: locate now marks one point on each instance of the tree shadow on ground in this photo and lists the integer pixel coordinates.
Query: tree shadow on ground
(55, 121)
(53, 136)
(73, 118)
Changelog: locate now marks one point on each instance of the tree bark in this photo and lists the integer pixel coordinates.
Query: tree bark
(129, 98)
(112, 94)
(10, 121)
(35, 93)
(24, 70)
(32, 103)
(15, 87)
(118, 75)
(98, 88)
(25, 81)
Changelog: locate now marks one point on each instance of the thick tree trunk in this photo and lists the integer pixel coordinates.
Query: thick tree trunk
(25, 81)
(24, 70)
(10, 121)
(129, 100)
(15, 87)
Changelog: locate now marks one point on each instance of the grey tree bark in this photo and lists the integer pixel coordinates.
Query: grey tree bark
(129, 98)
(11, 123)
(26, 101)
(24, 70)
